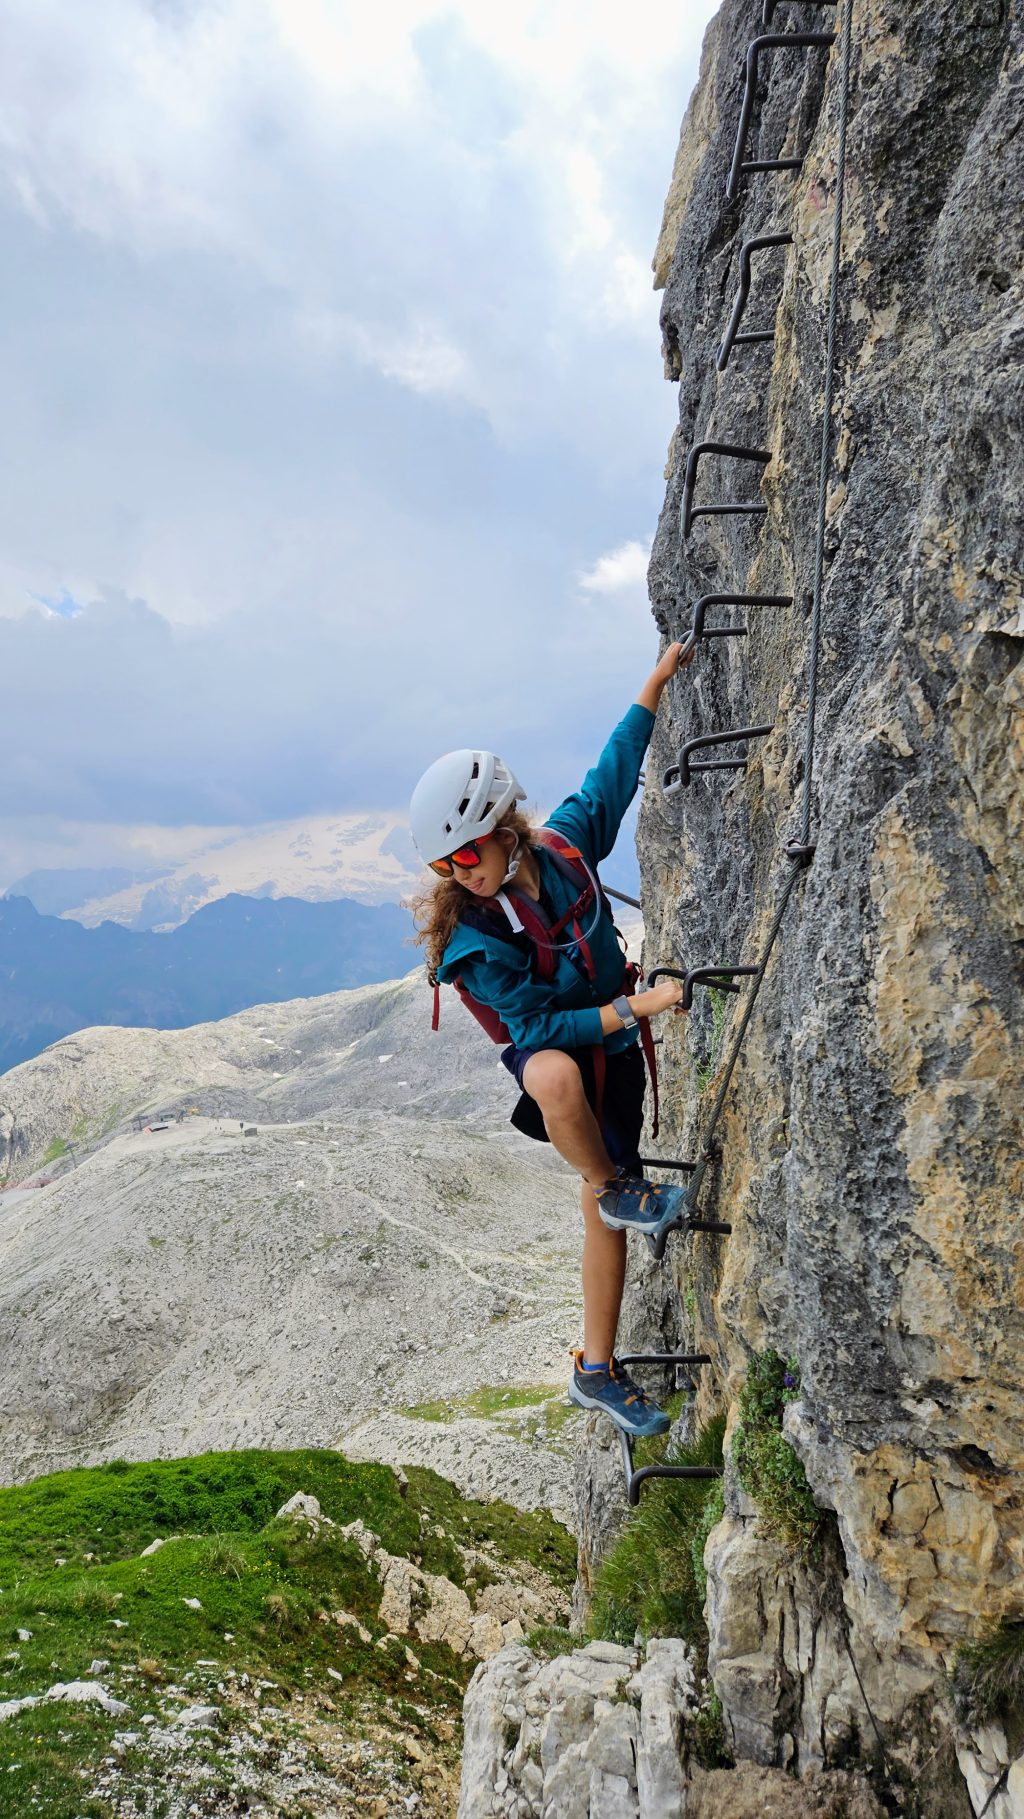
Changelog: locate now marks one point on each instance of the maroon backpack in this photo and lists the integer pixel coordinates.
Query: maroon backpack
(543, 936)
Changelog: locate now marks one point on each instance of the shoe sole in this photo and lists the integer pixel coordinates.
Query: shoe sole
(638, 1433)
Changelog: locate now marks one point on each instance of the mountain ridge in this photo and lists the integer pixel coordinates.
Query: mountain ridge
(57, 976)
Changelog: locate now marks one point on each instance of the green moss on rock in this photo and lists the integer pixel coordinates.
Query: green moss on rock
(769, 1470)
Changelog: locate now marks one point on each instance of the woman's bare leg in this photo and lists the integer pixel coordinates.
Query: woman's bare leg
(604, 1276)
(554, 1081)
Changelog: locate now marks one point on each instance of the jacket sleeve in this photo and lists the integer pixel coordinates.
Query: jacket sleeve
(524, 1006)
(592, 816)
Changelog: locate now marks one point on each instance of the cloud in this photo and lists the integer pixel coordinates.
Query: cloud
(622, 570)
(383, 163)
(304, 306)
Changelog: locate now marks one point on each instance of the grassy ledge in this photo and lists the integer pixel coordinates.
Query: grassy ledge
(238, 1610)
(651, 1580)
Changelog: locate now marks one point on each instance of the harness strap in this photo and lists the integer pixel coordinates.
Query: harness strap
(598, 1057)
(574, 913)
(647, 1044)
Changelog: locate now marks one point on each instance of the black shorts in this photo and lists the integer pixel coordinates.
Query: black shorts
(623, 1110)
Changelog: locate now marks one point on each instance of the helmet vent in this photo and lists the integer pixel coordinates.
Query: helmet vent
(463, 805)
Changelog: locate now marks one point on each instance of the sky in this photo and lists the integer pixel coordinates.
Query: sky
(334, 411)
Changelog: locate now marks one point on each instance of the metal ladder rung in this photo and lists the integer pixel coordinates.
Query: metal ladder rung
(732, 338)
(636, 1477)
(678, 776)
(656, 1244)
(767, 42)
(737, 453)
(717, 978)
(700, 630)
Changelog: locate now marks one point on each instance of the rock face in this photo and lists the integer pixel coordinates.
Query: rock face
(600, 1734)
(872, 1163)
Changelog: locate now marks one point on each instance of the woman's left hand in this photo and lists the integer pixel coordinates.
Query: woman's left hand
(670, 662)
(650, 694)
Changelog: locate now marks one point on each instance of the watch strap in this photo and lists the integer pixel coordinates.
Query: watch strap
(621, 1008)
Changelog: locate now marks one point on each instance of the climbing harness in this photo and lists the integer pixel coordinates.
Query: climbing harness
(800, 851)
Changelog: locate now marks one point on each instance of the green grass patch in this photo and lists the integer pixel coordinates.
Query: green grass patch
(649, 1581)
(711, 1516)
(56, 1149)
(987, 1681)
(719, 1010)
(487, 1403)
(73, 1579)
(551, 1639)
(769, 1470)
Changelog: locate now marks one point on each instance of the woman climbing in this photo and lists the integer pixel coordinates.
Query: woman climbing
(509, 923)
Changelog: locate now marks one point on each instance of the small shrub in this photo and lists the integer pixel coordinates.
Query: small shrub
(769, 1470)
(710, 1742)
(226, 1557)
(288, 1614)
(705, 1071)
(988, 1675)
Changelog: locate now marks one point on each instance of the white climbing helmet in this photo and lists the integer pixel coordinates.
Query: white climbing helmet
(462, 795)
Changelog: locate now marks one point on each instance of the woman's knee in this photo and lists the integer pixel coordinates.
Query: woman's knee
(554, 1080)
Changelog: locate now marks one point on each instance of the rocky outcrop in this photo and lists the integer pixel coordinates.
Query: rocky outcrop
(369, 1049)
(605, 1734)
(871, 1150)
(436, 1610)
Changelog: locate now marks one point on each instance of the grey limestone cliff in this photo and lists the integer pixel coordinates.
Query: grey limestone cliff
(871, 1156)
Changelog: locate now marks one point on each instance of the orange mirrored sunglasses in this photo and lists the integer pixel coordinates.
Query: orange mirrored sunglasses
(466, 857)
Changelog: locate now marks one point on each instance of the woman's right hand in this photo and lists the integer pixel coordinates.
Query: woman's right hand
(667, 995)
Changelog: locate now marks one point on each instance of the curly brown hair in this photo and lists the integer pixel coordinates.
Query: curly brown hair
(438, 909)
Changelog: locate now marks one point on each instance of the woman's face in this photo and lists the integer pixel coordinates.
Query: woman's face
(484, 880)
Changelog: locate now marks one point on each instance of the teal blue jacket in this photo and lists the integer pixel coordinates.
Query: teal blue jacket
(564, 1011)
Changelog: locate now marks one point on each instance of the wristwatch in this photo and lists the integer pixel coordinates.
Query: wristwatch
(621, 1008)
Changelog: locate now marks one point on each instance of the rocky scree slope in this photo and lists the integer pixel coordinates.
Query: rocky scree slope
(380, 1242)
(872, 1165)
(370, 1048)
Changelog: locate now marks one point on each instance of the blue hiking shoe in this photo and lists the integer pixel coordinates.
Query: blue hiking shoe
(629, 1204)
(614, 1394)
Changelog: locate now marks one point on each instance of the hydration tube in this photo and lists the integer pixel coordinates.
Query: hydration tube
(555, 946)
